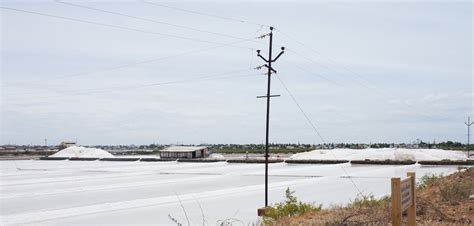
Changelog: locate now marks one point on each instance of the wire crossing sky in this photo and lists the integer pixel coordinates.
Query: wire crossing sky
(134, 72)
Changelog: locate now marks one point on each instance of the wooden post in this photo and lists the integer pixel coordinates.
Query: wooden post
(404, 198)
(411, 211)
(396, 203)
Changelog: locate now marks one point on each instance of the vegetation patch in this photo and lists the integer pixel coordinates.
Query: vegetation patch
(289, 207)
(440, 201)
(428, 180)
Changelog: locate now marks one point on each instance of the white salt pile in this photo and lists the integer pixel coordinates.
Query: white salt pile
(381, 154)
(216, 156)
(78, 151)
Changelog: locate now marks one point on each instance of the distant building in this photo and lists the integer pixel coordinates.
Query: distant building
(67, 143)
(9, 148)
(185, 152)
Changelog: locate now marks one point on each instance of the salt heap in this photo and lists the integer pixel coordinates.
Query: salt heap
(381, 154)
(79, 151)
(216, 156)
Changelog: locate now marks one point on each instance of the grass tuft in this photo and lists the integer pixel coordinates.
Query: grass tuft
(428, 180)
(290, 207)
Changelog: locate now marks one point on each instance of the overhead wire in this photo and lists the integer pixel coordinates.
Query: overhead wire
(330, 59)
(317, 52)
(136, 63)
(121, 27)
(204, 14)
(324, 66)
(224, 75)
(370, 86)
(367, 87)
(315, 130)
(148, 20)
(301, 109)
(112, 26)
(314, 73)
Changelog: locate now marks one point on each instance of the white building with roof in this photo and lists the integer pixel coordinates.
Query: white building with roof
(185, 152)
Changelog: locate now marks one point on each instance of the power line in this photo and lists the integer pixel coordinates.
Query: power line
(139, 62)
(107, 89)
(204, 14)
(335, 63)
(148, 20)
(371, 87)
(311, 49)
(219, 76)
(301, 109)
(316, 131)
(325, 66)
(314, 73)
(112, 26)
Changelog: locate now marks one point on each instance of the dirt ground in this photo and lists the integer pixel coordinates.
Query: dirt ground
(442, 201)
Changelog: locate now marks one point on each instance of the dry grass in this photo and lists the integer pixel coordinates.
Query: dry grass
(442, 201)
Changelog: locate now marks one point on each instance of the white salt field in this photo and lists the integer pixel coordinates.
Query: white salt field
(35, 192)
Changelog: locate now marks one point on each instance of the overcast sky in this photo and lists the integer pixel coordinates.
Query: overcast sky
(362, 71)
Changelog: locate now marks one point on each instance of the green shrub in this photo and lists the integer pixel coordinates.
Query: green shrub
(428, 180)
(290, 207)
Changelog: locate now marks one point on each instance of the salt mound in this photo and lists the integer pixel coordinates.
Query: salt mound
(381, 154)
(216, 156)
(78, 151)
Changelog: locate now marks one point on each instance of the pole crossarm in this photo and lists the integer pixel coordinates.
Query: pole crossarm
(468, 123)
(263, 58)
(282, 51)
(274, 71)
(268, 96)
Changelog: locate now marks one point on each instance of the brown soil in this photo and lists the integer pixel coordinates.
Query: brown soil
(446, 202)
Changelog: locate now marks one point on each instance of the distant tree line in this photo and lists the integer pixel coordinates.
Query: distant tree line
(242, 148)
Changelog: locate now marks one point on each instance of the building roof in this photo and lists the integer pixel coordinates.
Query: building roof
(183, 148)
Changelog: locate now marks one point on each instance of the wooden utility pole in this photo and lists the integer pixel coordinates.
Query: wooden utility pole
(268, 96)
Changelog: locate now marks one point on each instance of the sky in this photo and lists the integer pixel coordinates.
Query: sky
(182, 72)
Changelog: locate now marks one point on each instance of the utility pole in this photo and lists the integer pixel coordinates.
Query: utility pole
(268, 96)
(468, 124)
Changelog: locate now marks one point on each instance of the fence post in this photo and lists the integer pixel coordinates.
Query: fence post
(396, 203)
(411, 211)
